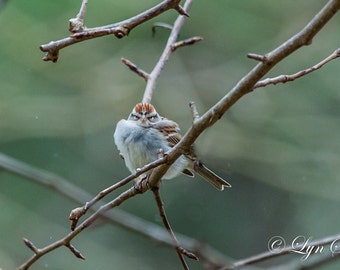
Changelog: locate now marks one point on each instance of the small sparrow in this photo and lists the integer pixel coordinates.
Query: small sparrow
(140, 138)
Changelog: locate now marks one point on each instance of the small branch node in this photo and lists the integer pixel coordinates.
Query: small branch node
(75, 251)
(189, 254)
(52, 53)
(135, 69)
(186, 42)
(194, 111)
(31, 246)
(181, 11)
(76, 25)
(121, 32)
(337, 52)
(75, 215)
(257, 57)
(142, 184)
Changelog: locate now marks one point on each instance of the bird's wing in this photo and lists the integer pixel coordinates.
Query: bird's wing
(170, 131)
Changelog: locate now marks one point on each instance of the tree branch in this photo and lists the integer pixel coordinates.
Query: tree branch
(119, 29)
(289, 78)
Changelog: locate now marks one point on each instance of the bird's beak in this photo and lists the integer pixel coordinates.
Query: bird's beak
(143, 118)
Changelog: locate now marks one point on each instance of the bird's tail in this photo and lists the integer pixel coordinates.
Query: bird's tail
(210, 176)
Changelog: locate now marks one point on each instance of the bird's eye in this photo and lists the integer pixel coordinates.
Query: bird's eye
(134, 117)
(152, 118)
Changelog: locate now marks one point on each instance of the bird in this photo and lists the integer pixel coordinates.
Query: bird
(145, 133)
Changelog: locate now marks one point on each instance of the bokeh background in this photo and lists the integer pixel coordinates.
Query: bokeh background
(278, 146)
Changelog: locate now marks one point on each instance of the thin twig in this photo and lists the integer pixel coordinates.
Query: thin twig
(82, 11)
(186, 42)
(167, 226)
(194, 112)
(135, 69)
(256, 57)
(289, 78)
(119, 29)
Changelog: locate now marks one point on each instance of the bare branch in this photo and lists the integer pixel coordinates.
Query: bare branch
(194, 111)
(135, 69)
(119, 29)
(182, 11)
(256, 57)
(186, 42)
(82, 10)
(75, 251)
(166, 223)
(289, 78)
(30, 245)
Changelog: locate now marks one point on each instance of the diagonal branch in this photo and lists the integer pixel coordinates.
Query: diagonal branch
(180, 251)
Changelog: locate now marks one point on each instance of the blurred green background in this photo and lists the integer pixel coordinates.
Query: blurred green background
(278, 146)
